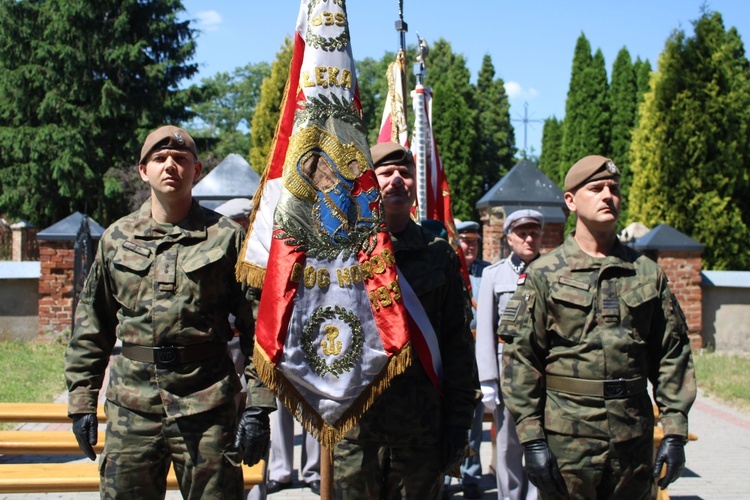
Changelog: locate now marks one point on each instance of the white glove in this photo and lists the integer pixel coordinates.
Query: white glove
(489, 394)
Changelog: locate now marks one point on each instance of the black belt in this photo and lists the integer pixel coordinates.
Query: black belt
(607, 389)
(172, 355)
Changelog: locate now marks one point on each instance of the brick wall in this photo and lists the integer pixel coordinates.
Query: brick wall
(55, 287)
(494, 244)
(684, 272)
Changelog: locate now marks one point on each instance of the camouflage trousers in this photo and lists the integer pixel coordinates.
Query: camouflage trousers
(139, 448)
(597, 468)
(368, 469)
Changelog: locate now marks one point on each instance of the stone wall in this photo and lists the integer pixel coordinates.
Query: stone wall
(56, 287)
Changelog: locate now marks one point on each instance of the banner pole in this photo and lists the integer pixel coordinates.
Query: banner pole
(326, 473)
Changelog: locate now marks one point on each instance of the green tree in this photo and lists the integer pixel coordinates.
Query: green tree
(574, 144)
(454, 124)
(623, 96)
(549, 161)
(225, 110)
(81, 84)
(690, 155)
(373, 89)
(267, 110)
(642, 70)
(496, 136)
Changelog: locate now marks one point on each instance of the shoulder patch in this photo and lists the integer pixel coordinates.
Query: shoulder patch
(521, 279)
(511, 311)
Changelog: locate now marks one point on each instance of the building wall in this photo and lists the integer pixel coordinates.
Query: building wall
(494, 244)
(726, 319)
(18, 309)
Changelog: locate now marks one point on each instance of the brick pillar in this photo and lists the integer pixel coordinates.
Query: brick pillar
(56, 286)
(491, 219)
(23, 247)
(683, 268)
(552, 236)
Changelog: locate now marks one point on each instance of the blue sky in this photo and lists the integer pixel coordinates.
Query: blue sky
(531, 42)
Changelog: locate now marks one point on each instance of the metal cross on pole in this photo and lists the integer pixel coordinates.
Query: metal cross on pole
(525, 120)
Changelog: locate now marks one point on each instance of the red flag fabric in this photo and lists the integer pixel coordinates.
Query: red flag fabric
(333, 324)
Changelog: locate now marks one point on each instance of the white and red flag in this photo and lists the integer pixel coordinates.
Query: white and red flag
(434, 194)
(333, 324)
(393, 127)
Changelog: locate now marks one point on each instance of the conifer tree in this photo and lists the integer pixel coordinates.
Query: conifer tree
(623, 101)
(496, 136)
(455, 126)
(81, 84)
(549, 160)
(267, 111)
(574, 145)
(691, 150)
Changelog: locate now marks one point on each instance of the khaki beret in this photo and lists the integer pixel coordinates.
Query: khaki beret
(390, 153)
(590, 168)
(521, 217)
(168, 137)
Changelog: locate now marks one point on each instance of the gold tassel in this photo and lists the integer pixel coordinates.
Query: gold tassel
(328, 435)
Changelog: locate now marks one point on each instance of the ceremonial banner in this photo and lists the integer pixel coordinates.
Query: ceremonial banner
(332, 327)
(393, 126)
(436, 200)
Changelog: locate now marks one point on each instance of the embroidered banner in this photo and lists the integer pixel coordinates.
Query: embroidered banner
(332, 327)
(393, 127)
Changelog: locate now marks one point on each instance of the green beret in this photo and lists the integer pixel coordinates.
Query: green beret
(168, 137)
(390, 153)
(590, 168)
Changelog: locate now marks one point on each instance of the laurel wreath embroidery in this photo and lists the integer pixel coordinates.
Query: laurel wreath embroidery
(312, 331)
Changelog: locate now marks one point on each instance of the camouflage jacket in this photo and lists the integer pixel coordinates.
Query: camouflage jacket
(411, 409)
(599, 319)
(160, 285)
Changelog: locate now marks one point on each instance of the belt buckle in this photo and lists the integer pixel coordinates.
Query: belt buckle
(615, 388)
(166, 355)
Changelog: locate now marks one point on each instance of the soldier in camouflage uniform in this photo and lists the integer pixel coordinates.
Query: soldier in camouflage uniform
(163, 282)
(590, 323)
(412, 434)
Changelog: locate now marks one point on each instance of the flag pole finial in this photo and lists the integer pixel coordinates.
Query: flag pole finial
(401, 26)
(420, 68)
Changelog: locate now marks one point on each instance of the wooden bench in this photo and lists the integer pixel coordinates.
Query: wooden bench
(64, 476)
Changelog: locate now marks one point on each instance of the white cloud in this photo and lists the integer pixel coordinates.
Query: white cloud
(516, 91)
(208, 20)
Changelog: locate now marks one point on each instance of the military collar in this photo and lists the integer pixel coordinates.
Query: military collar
(577, 259)
(192, 226)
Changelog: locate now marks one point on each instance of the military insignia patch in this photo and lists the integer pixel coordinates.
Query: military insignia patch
(611, 167)
(180, 140)
(511, 311)
(521, 279)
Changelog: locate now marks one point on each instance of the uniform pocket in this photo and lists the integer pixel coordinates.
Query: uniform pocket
(204, 279)
(129, 272)
(570, 309)
(639, 303)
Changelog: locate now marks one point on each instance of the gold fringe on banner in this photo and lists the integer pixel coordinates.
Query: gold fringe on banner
(328, 435)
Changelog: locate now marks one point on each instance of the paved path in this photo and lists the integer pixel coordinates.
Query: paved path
(718, 463)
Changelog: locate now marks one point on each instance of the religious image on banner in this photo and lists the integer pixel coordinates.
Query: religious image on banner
(333, 321)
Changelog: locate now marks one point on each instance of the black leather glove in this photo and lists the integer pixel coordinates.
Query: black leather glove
(542, 469)
(253, 435)
(455, 441)
(86, 429)
(672, 452)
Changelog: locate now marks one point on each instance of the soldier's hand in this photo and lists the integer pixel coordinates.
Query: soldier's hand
(86, 430)
(489, 394)
(542, 469)
(672, 452)
(253, 435)
(455, 441)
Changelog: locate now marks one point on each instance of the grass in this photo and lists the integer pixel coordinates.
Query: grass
(725, 377)
(30, 371)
